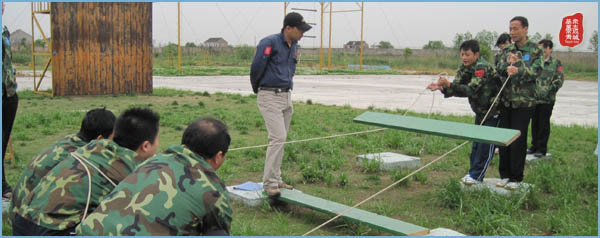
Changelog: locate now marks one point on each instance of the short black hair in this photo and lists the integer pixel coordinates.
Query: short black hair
(136, 125)
(206, 137)
(546, 43)
(97, 122)
(503, 38)
(472, 45)
(523, 20)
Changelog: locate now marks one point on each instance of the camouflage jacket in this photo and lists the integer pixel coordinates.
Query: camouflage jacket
(174, 193)
(39, 166)
(549, 81)
(9, 82)
(59, 200)
(520, 91)
(479, 83)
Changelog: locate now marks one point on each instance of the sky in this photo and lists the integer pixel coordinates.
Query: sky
(403, 24)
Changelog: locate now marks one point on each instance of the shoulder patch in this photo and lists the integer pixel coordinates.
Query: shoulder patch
(560, 69)
(526, 57)
(268, 50)
(479, 73)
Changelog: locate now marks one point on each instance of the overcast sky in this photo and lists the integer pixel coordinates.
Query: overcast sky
(404, 24)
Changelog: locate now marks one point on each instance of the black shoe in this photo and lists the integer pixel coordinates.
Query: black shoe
(539, 154)
(531, 150)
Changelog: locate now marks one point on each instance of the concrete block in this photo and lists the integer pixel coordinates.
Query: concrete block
(249, 198)
(531, 158)
(444, 232)
(490, 184)
(392, 161)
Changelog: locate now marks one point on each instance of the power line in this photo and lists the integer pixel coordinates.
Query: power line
(229, 24)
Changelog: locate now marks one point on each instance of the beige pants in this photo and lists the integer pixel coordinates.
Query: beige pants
(277, 110)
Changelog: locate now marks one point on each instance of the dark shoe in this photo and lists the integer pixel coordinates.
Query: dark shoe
(539, 154)
(273, 192)
(285, 185)
(531, 150)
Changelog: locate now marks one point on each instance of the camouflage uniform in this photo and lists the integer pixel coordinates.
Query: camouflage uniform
(174, 193)
(39, 166)
(550, 80)
(480, 83)
(520, 91)
(58, 201)
(519, 99)
(9, 82)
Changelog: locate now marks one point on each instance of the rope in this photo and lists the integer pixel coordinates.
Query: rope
(87, 170)
(416, 171)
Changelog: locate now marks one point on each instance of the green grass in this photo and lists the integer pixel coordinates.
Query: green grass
(565, 200)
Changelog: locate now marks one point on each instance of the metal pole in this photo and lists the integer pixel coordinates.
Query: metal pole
(179, 37)
(362, 11)
(321, 48)
(329, 55)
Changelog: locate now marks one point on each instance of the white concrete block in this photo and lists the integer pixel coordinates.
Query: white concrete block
(490, 184)
(444, 232)
(392, 161)
(250, 198)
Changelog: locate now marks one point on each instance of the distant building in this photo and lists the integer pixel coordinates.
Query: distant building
(16, 39)
(355, 45)
(216, 42)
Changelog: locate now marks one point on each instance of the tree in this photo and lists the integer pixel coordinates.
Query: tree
(548, 36)
(40, 43)
(434, 45)
(594, 41)
(537, 37)
(407, 52)
(487, 38)
(385, 45)
(170, 50)
(190, 44)
(460, 38)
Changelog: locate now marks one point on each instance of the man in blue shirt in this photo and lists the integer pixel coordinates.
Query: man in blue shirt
(271, 76)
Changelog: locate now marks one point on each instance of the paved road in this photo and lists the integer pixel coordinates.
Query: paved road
(577, 102)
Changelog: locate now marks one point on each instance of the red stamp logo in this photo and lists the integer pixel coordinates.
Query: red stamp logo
(479, 73)
(571, 32)
(268, 50)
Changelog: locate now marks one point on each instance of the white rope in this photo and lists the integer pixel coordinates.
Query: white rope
(414, 172)
(87, 170)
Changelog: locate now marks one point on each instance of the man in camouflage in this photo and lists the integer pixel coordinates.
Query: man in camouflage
(10, 101)
(74, 187)
(174, 193)
(477, 80)
(520, 63)
(97, 124)
(548, 83)
(502, 42)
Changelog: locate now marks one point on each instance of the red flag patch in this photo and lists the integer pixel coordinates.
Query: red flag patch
(268, 50)
(560, 69)
(479, 73)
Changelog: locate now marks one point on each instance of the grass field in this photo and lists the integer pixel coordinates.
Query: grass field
(564, 201)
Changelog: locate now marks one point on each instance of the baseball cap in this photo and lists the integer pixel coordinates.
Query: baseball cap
(294, 19)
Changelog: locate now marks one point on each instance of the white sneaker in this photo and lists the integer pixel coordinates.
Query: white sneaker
(502, 183)
(512, 185)
(468, 180)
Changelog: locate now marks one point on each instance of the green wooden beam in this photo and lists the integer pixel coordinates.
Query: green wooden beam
(356, 215)
(484, 134)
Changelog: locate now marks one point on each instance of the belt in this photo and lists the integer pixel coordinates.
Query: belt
(277, 90)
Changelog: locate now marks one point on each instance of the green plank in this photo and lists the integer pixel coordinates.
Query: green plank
(484, 134)
(373, 220)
